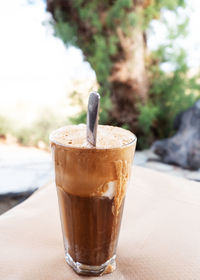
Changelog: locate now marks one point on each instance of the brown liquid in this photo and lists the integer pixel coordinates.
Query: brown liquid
(89, 227)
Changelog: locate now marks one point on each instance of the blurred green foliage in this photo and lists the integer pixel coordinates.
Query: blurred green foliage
(37, 131)
(93, 27)
(105, 105)
(46, 122)
(169, 93)
(100, 45)
(5, 125)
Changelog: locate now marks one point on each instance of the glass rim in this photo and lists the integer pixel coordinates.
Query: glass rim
(88, 148)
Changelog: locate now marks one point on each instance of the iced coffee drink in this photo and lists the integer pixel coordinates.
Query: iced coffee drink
(91, 186)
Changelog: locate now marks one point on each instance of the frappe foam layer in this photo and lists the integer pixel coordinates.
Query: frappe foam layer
(87, 171)
(107, 136)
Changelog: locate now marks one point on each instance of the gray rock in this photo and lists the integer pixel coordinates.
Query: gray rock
(183, 148)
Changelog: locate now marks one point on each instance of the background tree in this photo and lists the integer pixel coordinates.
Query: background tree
(113, 38)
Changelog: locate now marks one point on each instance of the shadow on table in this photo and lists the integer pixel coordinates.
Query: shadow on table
(10, 200)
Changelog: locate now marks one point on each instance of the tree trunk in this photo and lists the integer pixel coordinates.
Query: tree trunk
(129, 81)
(128, 78)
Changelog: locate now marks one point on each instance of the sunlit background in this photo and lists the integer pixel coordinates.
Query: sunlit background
(39, 75)
(37, 71)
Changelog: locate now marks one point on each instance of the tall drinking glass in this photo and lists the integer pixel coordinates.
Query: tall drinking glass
(91, 186)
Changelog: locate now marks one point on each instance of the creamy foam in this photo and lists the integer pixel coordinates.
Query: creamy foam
(107, 136)
(86, 171)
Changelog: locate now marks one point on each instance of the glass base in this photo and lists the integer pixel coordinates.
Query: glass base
(94, 270)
